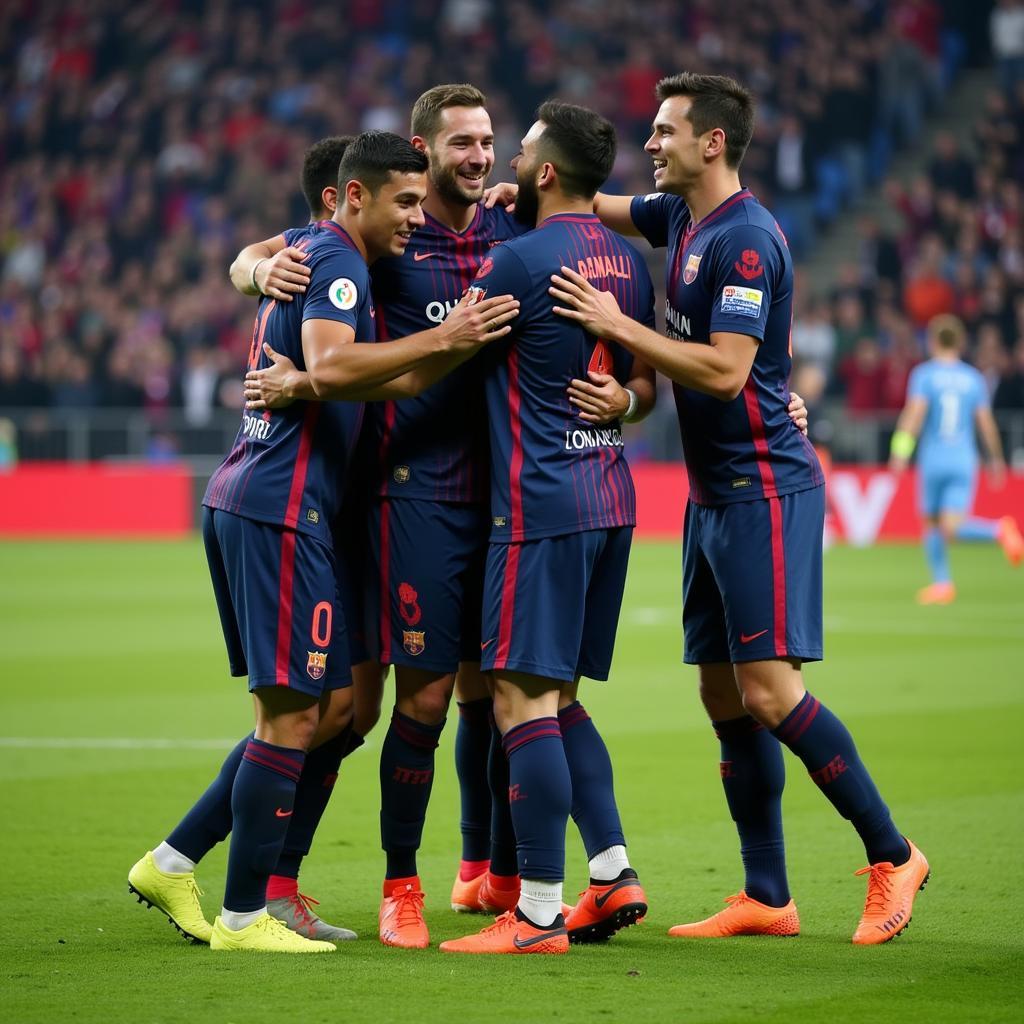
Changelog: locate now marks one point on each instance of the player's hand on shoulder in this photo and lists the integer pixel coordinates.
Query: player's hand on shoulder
(474, 322)
(267, 388)
(600, 400)
(594, 310)
(798, 412)
(502, 194)
(283, 275)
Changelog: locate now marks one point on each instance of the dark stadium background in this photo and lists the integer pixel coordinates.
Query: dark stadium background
(142, 145)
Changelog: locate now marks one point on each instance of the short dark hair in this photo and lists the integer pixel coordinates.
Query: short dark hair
(581, 145)
(426, 111)
(372, 157)
(320, 170)
(718, 102)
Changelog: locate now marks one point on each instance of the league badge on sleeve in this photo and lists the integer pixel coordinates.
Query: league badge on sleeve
(691, 268)
(316, 664)
(742, 301)
(343, 293)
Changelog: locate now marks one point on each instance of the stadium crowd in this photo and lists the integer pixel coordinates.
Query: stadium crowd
(142, 146)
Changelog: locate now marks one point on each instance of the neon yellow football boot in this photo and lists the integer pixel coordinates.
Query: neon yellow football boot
(174, 895)
(265, 935)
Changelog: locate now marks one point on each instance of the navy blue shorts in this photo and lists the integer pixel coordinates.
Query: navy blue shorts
(425, 582)
(752, 579)
(278, 604)
(551, 606)
(352, 565)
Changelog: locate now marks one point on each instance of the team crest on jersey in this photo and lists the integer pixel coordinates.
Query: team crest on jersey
(413, 641)
(401, 474)
(749, 266)
(691, 268)
(316, 664)
(343, 293)
(475, 295)
(485, 268)
(408, 606)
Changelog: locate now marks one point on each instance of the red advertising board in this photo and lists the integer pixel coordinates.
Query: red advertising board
(45, 499)
(866, 503)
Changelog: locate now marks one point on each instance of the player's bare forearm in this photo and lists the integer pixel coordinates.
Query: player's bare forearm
(614, 212)
(990, 437)
(706, 368)
(719, 369)
(241, 272)
(357, 372)
(415, 382)
(643, 386)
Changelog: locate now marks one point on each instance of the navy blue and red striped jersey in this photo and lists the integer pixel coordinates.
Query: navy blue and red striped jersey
(434, 446)
(551, 472)
(732, 271)
(288, 466)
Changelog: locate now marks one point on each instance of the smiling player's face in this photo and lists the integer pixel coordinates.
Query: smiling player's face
(389, 218)
(462, 154)
(526, 164)
(677, 152)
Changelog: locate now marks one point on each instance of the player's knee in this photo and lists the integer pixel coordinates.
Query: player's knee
(764, 705)
(428, 705)
(422, 696)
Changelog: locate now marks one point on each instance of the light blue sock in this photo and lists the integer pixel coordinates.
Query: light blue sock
(978, 529)
(937, 555)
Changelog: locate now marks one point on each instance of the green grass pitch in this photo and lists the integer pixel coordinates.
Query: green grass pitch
(116, 708)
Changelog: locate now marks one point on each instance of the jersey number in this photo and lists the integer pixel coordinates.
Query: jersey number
(323, 614)
(949, 413)
(600, 359)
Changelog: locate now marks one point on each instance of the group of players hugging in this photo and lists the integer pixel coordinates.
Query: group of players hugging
(470, 525)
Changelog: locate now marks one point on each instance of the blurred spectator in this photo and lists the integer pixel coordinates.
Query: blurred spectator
(142, 145)
(1006, 25)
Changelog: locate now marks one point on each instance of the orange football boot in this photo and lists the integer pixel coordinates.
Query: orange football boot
(510, 934)
(498, 893)
(466, 894)
(401, 915)
(890, 900)
(937, 593)
(602, 910)
(743, 916)
(1010, 540)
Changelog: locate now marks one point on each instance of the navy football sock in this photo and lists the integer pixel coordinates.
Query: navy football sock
(753, 776)
(208, 822)
(316, 784)
(262, 801)
(827, 750)
(406, 777)
(590, 769)
(503, 834)
(472, 748)
(540, 795)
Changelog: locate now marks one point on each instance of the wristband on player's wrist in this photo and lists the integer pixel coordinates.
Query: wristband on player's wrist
(627, 416)
(903, 443)
(255, 267)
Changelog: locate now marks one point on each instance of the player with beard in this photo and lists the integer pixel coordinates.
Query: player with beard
(429, 525)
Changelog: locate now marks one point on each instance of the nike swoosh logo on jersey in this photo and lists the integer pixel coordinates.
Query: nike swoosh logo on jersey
(418, 256)
(744, 639)
(600, 901)
(487, 643)
(283, 814)
(543, 937)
